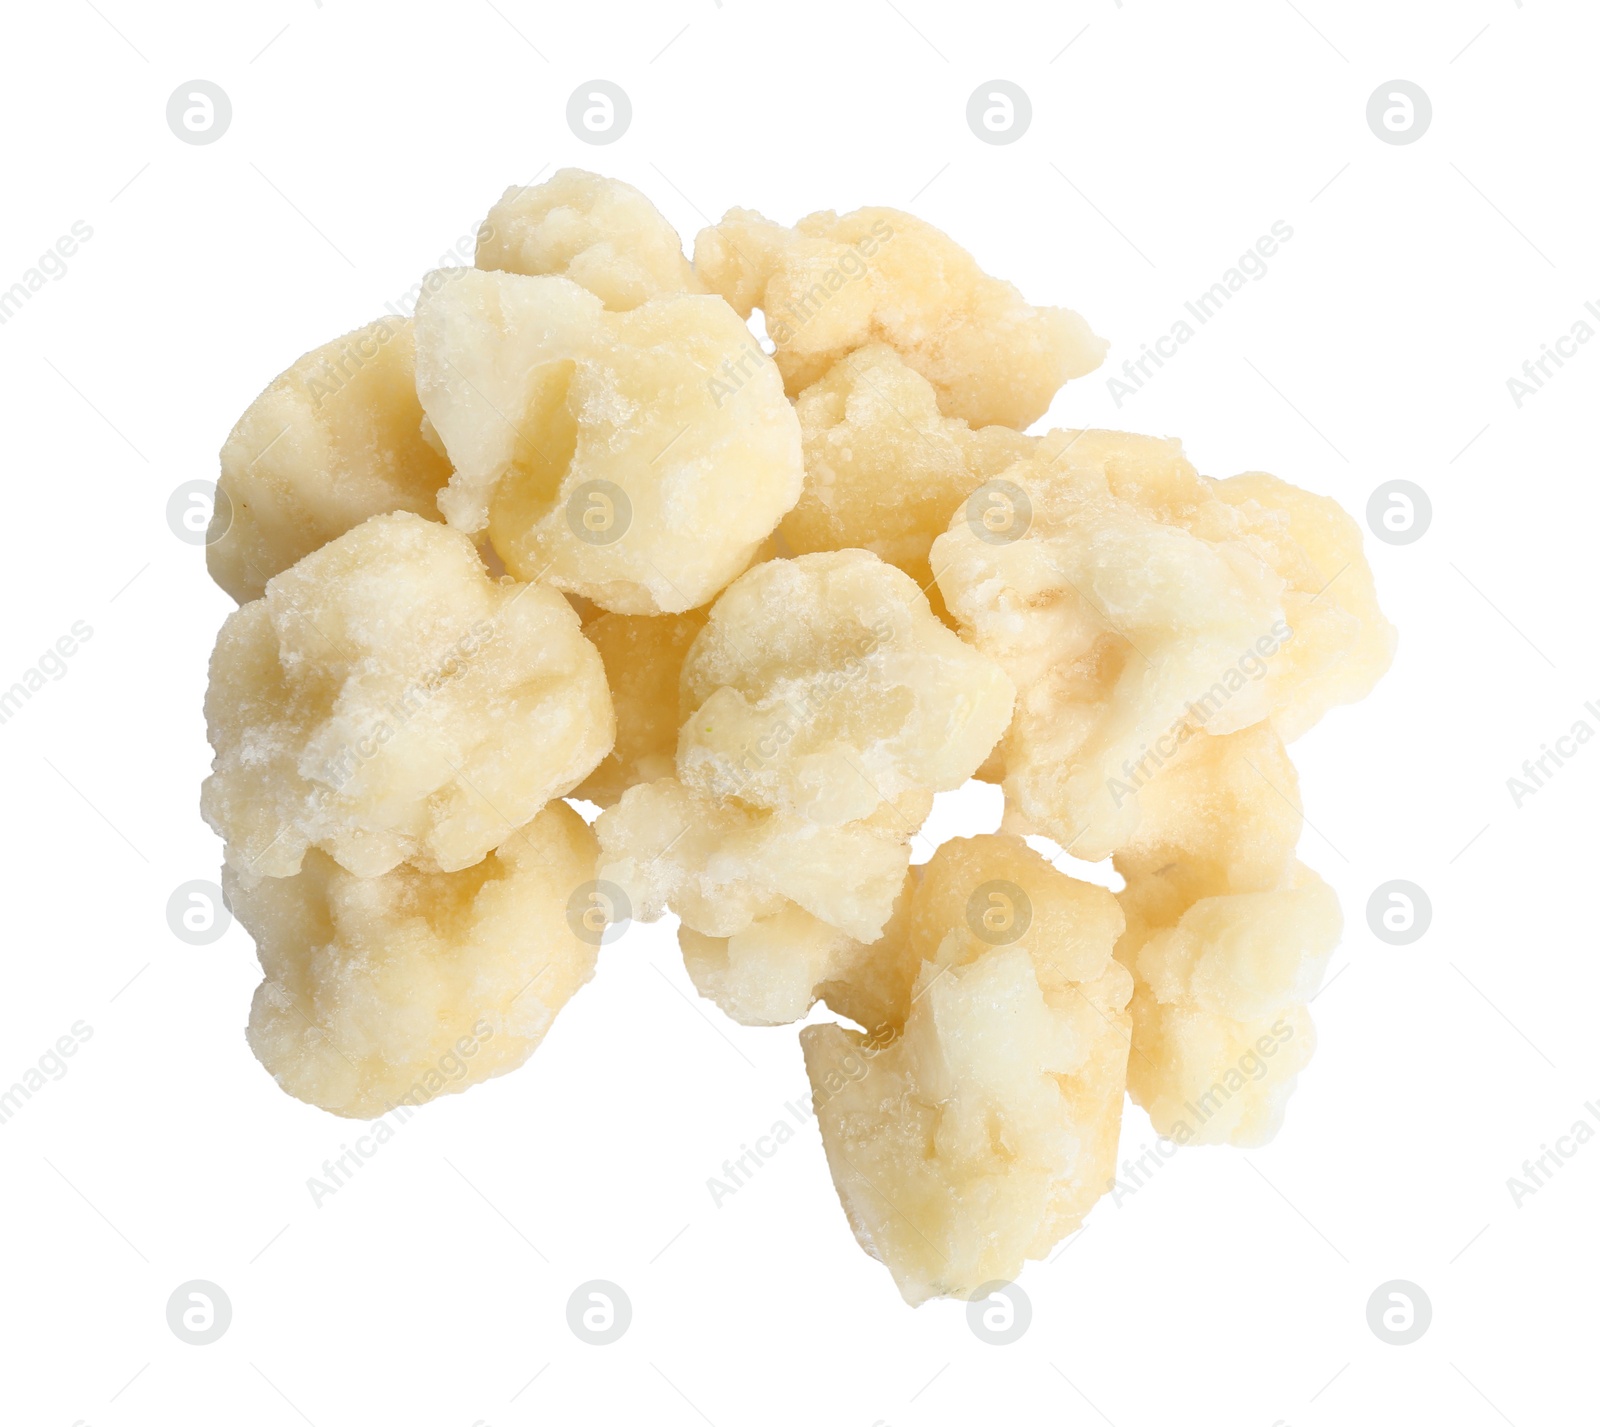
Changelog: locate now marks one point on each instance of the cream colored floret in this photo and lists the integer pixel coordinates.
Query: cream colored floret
(830, 285)
(387, 991)
(602, 233)
(984, 1132)
(600, 449)
(782, 964)
(643, 655)
(387, 702)
(1221, 1028)
(721, 866)
(1222, 816)
(825, 686)
(1342, 643)
(1131, 606)
(1227, 936)
(884, 470)
(767, 974)
(333, 440)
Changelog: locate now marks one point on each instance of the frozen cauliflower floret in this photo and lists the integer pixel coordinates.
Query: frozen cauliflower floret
(884, 470)
(643, 655)
(779, 966)
(1342, 643)
(1130, 606)
(387, 702)
(335, 439)
(721, 866)
(599, 448)
(983, 1133)
(1221, 1028)
(602, 233)
(825, 686)
(1227, 936)
(830, 285)
(1221, 816)
(767, 974)
(386, 991)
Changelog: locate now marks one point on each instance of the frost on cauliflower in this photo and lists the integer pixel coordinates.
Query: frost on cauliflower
(387, 702)
(884, 469)
(774, 970)
(1227, 936)
(826, 705)
(1141, 603)
(602, 233)
(762, 608)
(721, 866)
(982, 1133)
(643, 656)
(824, 686)
(333, 440)
(830, 285)
(388, 991)
(776, 911)
(601, 449)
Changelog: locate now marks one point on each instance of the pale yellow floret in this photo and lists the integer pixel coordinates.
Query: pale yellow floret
(885, 470)
(384, 992)
(1227, 936)
(773, 972)
(602, 450)
(832, 284)
(825, 686)
(1342, 643)
(333, 440)
(387, 702)
(643, 656)
(1142, 600)
(982, 1134)
(721, 866)
(602, 233)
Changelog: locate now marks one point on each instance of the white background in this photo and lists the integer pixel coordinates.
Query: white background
(366, 140)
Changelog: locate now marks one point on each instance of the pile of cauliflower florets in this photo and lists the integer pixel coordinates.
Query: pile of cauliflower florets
(572, 532)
